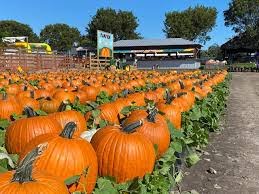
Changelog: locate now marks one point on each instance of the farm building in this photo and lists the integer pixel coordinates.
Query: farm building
(171, 53)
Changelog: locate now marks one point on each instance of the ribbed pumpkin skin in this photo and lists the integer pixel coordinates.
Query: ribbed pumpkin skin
(9, 107)
(64, 95)
(91, 92)
(109, 112)
(121, 155)
(42, 184)
(70, 116)
(20, 132)
(29, 102)
(172, 113)
(49, 106)
(157, 132)
(66, 158)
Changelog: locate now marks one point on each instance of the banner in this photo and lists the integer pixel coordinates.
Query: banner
(104, 44)
(14, 39)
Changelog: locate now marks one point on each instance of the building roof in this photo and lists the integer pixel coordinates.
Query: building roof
(242, 42)
(154, 42)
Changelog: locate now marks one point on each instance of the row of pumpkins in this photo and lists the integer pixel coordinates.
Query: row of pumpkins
(52, 148)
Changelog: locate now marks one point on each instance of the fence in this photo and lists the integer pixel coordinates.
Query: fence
(98, 64)
(11, 59)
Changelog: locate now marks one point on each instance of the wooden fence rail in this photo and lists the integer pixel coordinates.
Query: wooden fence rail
(10, 60)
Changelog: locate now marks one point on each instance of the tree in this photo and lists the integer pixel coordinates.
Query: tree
(242, 15)
(122, 24)
(213, 52)
(14, 28)
(60, 37)
(192, 24)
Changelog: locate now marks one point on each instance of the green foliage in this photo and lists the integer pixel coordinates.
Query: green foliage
(247, 65)
(122, 24)
(34, 82)
(103, 98)
(7, 161)
(242, 15)
(192, 24)
(14, 28)
(60, 37)
(213, 52)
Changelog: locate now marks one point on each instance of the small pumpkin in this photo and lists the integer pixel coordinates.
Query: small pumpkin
(154, 127)
(65, 116)
(49, 105)
(9, 106)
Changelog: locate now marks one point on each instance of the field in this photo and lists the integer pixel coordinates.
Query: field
(107, 132)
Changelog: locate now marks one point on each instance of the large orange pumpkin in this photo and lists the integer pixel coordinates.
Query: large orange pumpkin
(20, 132)
(26, 180)
(66, 157)
(123, 153)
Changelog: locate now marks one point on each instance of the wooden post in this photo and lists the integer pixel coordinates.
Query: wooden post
(90, 60)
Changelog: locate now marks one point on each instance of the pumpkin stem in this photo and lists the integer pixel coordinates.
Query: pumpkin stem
(132, 127)
(23, 172)
(32, 94)
(29, 112)
(181, 94)
(85, 83)
(63, 106)
(152, 112)
(25, 88)
(4, 96)
(168, 97)
(68, 130)
(181, 84)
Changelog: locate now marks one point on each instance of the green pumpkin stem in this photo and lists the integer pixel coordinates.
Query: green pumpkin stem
(152, 112)
(23, 172)
(68, 130)
(29, 112)
(132, 127)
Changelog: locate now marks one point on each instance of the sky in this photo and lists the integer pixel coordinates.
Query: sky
(78, 13)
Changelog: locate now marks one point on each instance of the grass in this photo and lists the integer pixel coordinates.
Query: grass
(247, 65)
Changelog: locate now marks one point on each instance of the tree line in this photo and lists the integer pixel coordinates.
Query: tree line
(194, 23)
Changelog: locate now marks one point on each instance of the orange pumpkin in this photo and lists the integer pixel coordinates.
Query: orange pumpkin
(66, 157)
(25, 179)
(123, 153)
(20, 132)
(9, 106)
(154, 128)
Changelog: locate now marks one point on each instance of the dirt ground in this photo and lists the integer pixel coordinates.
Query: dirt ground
(234, 153)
